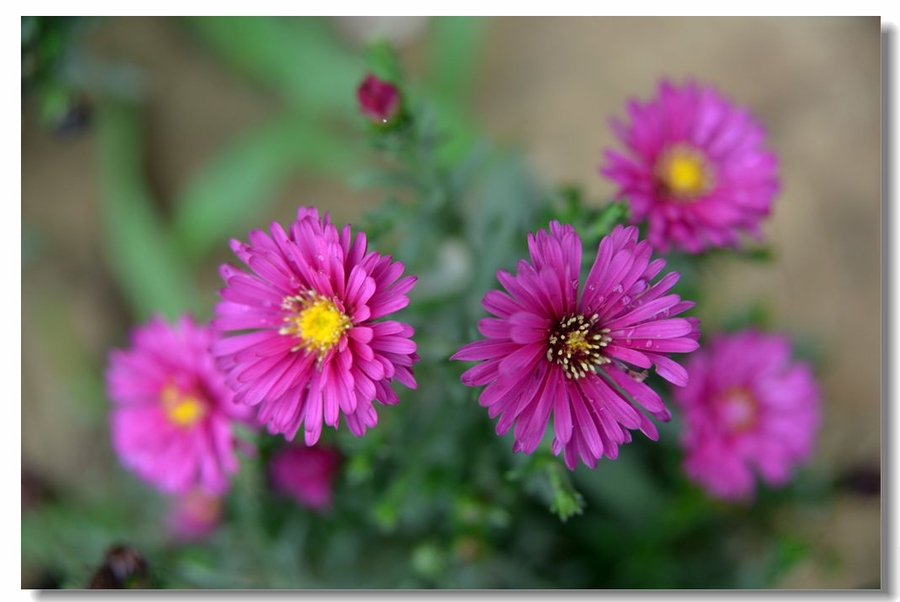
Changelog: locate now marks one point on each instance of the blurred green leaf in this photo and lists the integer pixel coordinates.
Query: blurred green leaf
(384, 62)
(299, 58)
(238, 185)
(454, 48)
(623, 486)
(148, 269)
(755, 315)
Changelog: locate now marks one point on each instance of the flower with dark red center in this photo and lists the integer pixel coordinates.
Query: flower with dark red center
(314, 343)
(581, 355)
(696, 169)
(173, 417)
(749, 408)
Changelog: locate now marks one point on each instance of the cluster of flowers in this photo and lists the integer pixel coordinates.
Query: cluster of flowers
(304, 337)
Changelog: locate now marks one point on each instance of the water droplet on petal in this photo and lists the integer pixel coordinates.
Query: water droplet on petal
(648, 344)
(626, 300)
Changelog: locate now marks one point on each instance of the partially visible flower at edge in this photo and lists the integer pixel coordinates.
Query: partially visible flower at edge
(550, 349)
(379, 100)
(316, 346)
(749, 408)
(306, 474)
(697, 170)
(172, 418)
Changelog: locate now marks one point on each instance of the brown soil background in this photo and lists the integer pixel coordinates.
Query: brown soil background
(547, 85)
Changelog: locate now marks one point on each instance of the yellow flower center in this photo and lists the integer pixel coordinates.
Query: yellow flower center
(738, 409)
(684, 173)
(315, 320)
(182, 409)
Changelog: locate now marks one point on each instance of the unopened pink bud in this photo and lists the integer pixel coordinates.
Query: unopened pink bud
(379, 100)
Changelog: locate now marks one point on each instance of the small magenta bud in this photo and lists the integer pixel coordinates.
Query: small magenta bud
(379, 100)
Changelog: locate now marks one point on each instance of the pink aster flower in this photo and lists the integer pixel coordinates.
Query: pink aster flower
(748, 408)
(379, 100)
(696, 169)
(305, 474)
(193, 516)
(580, 356)
(316, 345)
(173, 415)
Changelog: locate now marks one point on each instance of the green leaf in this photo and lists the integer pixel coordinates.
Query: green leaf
(144, 262)
(225, 198)
(384, 62)
(455, 45)
(299, 58)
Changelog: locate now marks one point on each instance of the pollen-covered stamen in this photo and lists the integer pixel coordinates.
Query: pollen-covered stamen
(576, 344)
(684, 173)
(314, 319)
(182, 408)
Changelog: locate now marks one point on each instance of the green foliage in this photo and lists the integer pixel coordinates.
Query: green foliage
(140, 249)
(297, 58)
(239, 184)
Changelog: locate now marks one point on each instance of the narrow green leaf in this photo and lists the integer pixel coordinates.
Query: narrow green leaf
(299, 58)
(140, 253)
(455, 45)
(225, 197)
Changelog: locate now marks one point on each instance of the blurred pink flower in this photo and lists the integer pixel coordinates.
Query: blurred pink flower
(696, 170)
(547, 350)
(317, 346)
(172, 417)
(305, 474)
(379, 100)
(193, 516)
(748, 408)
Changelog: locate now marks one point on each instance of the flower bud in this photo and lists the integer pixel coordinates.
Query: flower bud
(123, 568)
(379, 100)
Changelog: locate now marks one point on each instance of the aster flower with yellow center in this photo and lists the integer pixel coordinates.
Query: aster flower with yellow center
(173, 417)
(695, 168)
(310, 343)
(580, 356)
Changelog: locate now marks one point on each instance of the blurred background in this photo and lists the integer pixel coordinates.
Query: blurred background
(198, 117)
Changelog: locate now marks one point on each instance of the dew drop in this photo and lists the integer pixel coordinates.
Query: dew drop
(648, 344)
(617, 289)
(626, 300)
